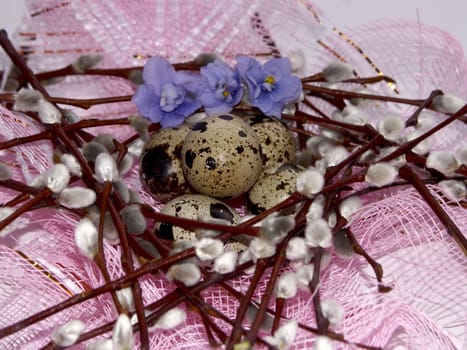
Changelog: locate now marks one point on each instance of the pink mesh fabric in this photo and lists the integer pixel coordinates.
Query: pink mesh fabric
(425, 309)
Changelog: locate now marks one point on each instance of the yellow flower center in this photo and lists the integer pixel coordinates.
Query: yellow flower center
(226, 93)
(270, 80)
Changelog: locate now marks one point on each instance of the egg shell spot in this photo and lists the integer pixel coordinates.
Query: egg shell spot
(193, 206)
(221, 156)
(160, 166)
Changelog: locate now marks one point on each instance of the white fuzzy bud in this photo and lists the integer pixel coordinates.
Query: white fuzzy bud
(122, 333)
(5, 172)
(208, 248)
(72, 164)
(448, 103)
(68, 334)
(362, 101)
(454, 190)
(381, 174)
(284, 337)
(70, 116)
(316, 209)
(48, 113)
(297, 61)
(244, 257)
(391, 127)
(333, 135)
(136, 147)
(77, 197)
(27, 100)
(304, 275)
(171, 319)
(126, 164)
(4, 213)
(186, 273)
(140, 125)
(86, 237)
(442, 161)
(333, 311)
(106, 140)
(318, 234)
(325, 146)
(92, 149)
(57, 178)
(461, 155)
(261, 248)
(296, 249)
(323, 342)
(424, 146)
(86, 61)
(337, 71)
(349, 206)
(424, 122)
(310, 182)
(342, 245)
(106, 168)
(203, 232)
(397, 161)
(125, 297)
(275, 227)
(134, 220)
(123, 190)
(286, 286)
(101, 344)
(318, 144)
(332, 219)
(336, 155)
(355, 116)
(226, 262)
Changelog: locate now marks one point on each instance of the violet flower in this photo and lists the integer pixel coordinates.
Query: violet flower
(270, 86)
(166, 97)
(221, 89)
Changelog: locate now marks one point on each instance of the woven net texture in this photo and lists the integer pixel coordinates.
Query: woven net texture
(40, 266)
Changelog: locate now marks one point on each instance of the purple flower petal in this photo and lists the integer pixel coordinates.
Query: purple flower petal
(158, 72)
(220, 88)
(270, 86)
(170, 120)
(278, 66)
(190, 81)
(166, 96)
(288, 90)
(147, 103)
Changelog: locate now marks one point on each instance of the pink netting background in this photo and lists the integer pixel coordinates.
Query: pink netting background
(425, 310)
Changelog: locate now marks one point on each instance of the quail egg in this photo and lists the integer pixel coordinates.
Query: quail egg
(196, 207)
(277, 144)
(160, 163)
(272, 188)
(221, 156)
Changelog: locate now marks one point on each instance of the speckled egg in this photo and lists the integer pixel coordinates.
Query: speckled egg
(277, 144)
(193, 206)
(272, 188)
(160, 165)
(221, 156)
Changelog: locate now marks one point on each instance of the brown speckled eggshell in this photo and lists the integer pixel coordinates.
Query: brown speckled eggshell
(193, 206)
(160, 165)
(272, 188)
(277, 144)
(221, 156)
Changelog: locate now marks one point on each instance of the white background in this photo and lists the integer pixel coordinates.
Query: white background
(450, 15)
